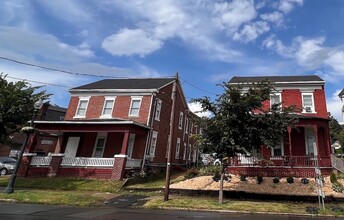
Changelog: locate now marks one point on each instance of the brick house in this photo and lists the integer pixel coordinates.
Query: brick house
(113, 127)
(307, 144)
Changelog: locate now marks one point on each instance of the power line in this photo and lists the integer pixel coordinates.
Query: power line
(198, 87)
(57, 70)
(44, 83)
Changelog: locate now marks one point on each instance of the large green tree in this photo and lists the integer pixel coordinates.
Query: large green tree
(16, 105)
(241, 123)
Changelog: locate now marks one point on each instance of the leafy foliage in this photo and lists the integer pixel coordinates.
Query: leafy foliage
(16, 105)
(241, 123)
(333, 178)
(209, 170)
(337, 187)
(191, 173)
(336, 130)
(304, 181)
(243, 177)
(276, 180)
(290, 179)
(259, 179)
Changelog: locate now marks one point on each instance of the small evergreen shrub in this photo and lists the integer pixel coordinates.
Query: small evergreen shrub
(217, 176)
(333, 178)
(242, 177)
(276, 180)
(290, 179)
(337, 187)
(191, 173)
(209, 170)
(259, 179)
(304, 181)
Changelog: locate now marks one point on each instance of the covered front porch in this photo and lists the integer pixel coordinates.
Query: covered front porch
(305, 146)
(88, 149)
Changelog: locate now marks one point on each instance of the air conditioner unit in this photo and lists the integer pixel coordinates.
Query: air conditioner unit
(308, 109)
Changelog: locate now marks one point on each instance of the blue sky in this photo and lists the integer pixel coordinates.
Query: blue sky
(205, 41)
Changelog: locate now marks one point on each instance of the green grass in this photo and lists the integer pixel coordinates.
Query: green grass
(156, 181)
(65, 184)
(53, 197)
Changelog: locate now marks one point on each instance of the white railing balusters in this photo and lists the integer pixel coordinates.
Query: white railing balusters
(133, 163)
(40, 161)
(87, 162)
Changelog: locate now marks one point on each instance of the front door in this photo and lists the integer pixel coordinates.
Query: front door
(72, 146)
(311, 149)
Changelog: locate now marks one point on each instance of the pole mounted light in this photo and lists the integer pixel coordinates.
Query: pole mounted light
(37, 106)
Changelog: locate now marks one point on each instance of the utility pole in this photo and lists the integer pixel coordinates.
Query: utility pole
(170, 138)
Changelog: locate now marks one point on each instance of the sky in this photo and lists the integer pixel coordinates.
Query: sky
(206, 41)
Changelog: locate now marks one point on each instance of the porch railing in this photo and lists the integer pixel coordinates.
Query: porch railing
(337, 163)
(133, 163)
(40, 161)
(280, 161)
(87, 162)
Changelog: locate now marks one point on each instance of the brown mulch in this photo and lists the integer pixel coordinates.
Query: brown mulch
(267, 186)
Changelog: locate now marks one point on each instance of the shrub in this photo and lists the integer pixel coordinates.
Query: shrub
(276, 180)
(259, 179)
(337, 187)
(333, 178)
(242, 177)
(190, 173)
(304, 181)
(290, 179)
(217, 176)
(209, 170)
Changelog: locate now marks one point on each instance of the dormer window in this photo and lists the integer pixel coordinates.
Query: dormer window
(308, 103)
(82, 107)
(275, 98)
(108, 106)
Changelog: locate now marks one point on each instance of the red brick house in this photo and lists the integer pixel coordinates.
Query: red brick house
(112, 127)
(307, 144)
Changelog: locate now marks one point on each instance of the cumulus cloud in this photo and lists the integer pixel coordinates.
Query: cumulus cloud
(276, 45)
(251, 31)
(287, 5)
(128, 42)
(275, 17)
(334, 106)
(196, 108)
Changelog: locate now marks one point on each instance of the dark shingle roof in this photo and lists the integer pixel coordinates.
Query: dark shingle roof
(148, 83)
(341, 94)
(277, 79)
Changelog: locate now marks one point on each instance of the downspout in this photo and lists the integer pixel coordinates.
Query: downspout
(148, 139)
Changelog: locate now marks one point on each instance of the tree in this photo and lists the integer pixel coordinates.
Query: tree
(16, 105)
(335, 130)
(241, 124)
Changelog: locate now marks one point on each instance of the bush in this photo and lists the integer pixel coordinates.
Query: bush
(276, 180)
(209, 170)
(191, 174)
(337, 187)
(304, 181)
(242, 177)
(259, 179)
(290, 179)
(333, 178)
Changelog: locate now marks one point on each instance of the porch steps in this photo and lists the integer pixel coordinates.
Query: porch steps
(337, 163)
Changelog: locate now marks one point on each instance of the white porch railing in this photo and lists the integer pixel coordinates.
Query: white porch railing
(87, 162)
(337, 163)
(40, 161)
(133, 163)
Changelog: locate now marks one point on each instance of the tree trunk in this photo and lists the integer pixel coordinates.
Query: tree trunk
(221, 188)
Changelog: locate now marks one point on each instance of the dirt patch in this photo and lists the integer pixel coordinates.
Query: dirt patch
(267, 186)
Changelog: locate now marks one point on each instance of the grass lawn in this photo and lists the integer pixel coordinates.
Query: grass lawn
(156, 181)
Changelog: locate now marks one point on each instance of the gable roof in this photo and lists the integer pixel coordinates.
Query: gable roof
(127, 84)
(278, 79)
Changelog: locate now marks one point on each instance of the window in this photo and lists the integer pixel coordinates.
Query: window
(99, 145)
(186, 125)
(131, 145)
(153, 143)
(278, 150)
(275, 99)
(158, 109)
(82, 107)
(135, 106)
(180, 125)
(108, 107)
(184, 154)
(308, 103)
(177, 148)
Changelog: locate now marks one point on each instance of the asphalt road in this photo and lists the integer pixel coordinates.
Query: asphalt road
(32, 211)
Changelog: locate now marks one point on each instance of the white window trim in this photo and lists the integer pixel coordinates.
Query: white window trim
(158, 109)
(77, 109)
(100, 135)
(280, 98)
(130, 149)
(186, 125)
(180, 122)
(155, 133)
(313, 107)
(177, 149)
(131, 105)
(282, 152)
(113, 104)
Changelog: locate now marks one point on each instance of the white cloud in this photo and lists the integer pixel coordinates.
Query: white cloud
(276, 45)
(334, 106)
(336, 61)
(274, 17)
(196, 108)
(231, 15)
(218, 78)
(128, 42)
(287, 5)
(251, 31)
